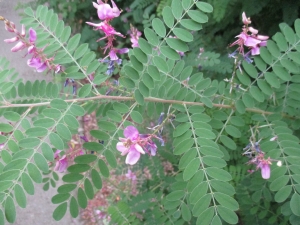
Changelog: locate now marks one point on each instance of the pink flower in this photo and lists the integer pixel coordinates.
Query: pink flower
(130, 145)
(134, 36)
(37, 63)
(62, 163)
(265, 170)
(113, 52)
(106, 28)
(105, 12)
(245, 20)
(130, 175)
(18, 47)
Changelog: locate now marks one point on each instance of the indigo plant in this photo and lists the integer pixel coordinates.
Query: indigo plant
(145, 135)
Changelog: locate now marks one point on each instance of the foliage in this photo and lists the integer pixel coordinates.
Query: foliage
(200, 175)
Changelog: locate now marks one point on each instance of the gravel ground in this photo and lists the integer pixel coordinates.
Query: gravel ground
(39, 207)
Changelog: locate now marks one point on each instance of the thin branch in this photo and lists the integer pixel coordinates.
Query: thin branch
(150, 99)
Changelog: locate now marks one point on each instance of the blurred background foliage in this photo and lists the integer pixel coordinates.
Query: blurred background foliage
(222, 27)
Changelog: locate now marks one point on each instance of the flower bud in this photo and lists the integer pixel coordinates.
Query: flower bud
(19, 46)
(279, 163)
(11, 40)
(245, 20)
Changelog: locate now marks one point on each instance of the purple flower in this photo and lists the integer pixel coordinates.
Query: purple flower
(265, 170)
(105, 12)
(37, 63)
(61, 163)
(130, 145)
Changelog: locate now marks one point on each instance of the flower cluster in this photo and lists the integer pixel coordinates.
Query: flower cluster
(107, 13)
(39, 61)
(250, 38)
(257, 157)
(134, 144)
(134, 36)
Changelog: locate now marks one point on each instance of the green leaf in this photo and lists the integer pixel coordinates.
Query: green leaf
(100, 135)
(47, 152)
(233, 131)
(181, 129)
(205, 7)
(159, 27)
(257, 94)
(66, 188)
(103, 168)
(151, 36)
(218, 174)
(76, 110)
(279, 182)
(34, 173)
(78, 168)
(227, 215)
(72, 177)
(58, 104)
(92, 68)
(97, 181)
(168, 16)
(131, 73)
(6, 128)
(10, 210)
(228, 142)
(36, 132)
(177, 44)
(29, 142)
(295, 204)
(139, 97)
(191, 24)
(226, 201)
(56, 141)
(80, 51)
(177, 8)
(136, 117)
(111, 159)
(169, 53)
(185, 212)
(59, 198)
(120, 107)
(82, 200)
(87, 59)
(283, 193)
(60, 211)
(145, 46)
(20, 196)
(191, 169)
(41, 162)
(11, 116)
(153, 72)
(93, 146)
(206, 216)
(85, 90)
(65, 34)
(63, 131)
(214, 161)
(199, 191)
(136, 63)
(29, 12)
(85, 159)
(198, 16)
(183, 35)
(140, 55)
(160, 63)
(44, 122)
(73, 42)
(27, 184)
(71, 121)
(89, 190)
(175, 195)
(51, 113)
(74, 211)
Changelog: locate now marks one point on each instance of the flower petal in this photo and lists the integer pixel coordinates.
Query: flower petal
(265, 171)
(131, 132)
(139, 148)
(120, 147)
(32, 35)
(132, 157)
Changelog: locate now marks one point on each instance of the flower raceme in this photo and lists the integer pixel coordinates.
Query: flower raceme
(134, 144)
(39, 60)
(250, 38)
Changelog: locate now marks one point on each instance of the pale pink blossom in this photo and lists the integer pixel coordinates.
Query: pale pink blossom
(130, 145)
(105, 11)
(113, 53)
(245, 20)
(37, 63)
(134, 36)
(61, 163)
